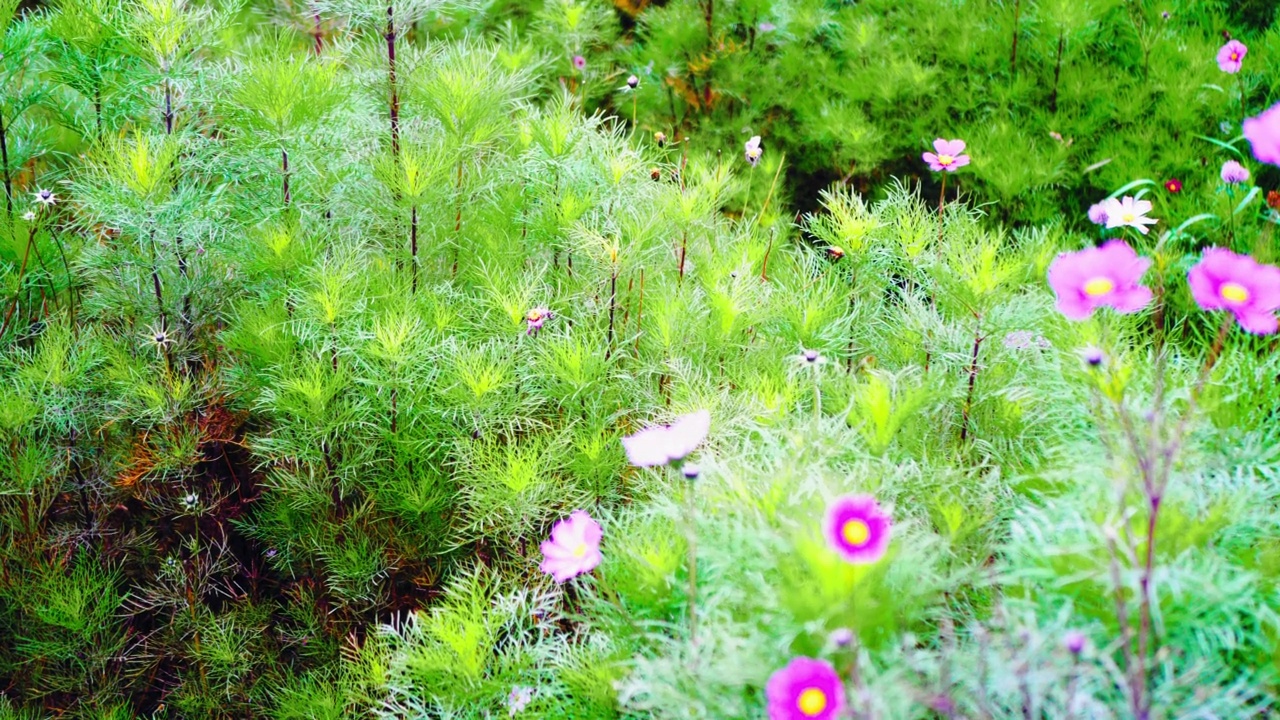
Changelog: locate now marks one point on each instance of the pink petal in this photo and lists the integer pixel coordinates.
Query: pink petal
(1259, 323)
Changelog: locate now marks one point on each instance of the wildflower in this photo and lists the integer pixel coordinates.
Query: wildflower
(767, 27)
(691, 471)
(1074, 641)
(841, 637)
(579, 62)
(1097, 277)
(1233, 173)
(835, 252)
(655, 174)
(1098, 213)
(806, 689)
(535, 319)
(519, 697)
(810, 358)
(1128, 212)
(191, 500)
(46, 197)
(1263, 133)
(272, 553)
(1093, 356)
(1166, 15)
(574, 547)
(633, 82)
(948, 157)
(665, 444)
(1273, 200)
(1231, 56)
(752, 150)
(29, 216)
(1223, 280)
(858, 529)
(660, 138)
(1173, 185)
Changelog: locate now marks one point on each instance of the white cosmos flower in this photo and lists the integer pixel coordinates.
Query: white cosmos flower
(1128, 212)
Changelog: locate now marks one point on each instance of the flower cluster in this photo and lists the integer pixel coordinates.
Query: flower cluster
(1110, 276)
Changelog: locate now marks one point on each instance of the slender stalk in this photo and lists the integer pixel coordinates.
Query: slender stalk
(413, 246)
(457, 224)
(284, 168)
(168, 106)
(942, 204)
(318, 31)
(4, 161)
(684, 245)
(640, 313)
(973, 379)
(1057, 72)
(691, 517)
(764, 265)
(1013, 54)
(613, 309)
(22, 269)
(391, 76)
(1126, 631)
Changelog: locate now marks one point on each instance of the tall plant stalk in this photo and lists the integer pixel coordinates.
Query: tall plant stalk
(391, 77)
(4, 161)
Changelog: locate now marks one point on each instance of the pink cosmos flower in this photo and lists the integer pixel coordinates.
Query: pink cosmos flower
(1231, 56)
(1233, 173)
(948, 157)
(579, 62)
(1263, 133)
(1097, 277)
(1098, 213)
(574, 547)
(806, 689)
(1173, 185)
(752, 150)
(858, 529)
(1223, 280)
(665, 444)
(535, 319)
(1128, 213)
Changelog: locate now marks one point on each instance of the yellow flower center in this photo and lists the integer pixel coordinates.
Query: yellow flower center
(1235, 56)
(855, 532)
(1234, 292)
(533, 316)
(580, 550)
(1128, 217)
(812, 701)
(945, 160)
(1098, 287)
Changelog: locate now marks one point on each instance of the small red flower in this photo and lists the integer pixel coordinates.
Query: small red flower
(1273, 200)
(1173, 185)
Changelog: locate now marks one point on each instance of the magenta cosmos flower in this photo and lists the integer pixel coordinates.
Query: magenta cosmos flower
(574, 547)
(806, 689)
(1231, 56)
(535, 319)
(1233, 173)
(857, 528)
(1097, 277)
(579, 62)
(1223, 280)
(948, 157)
(1128, 212)
(1098, 213)
(665, 444)
(1263, 133)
